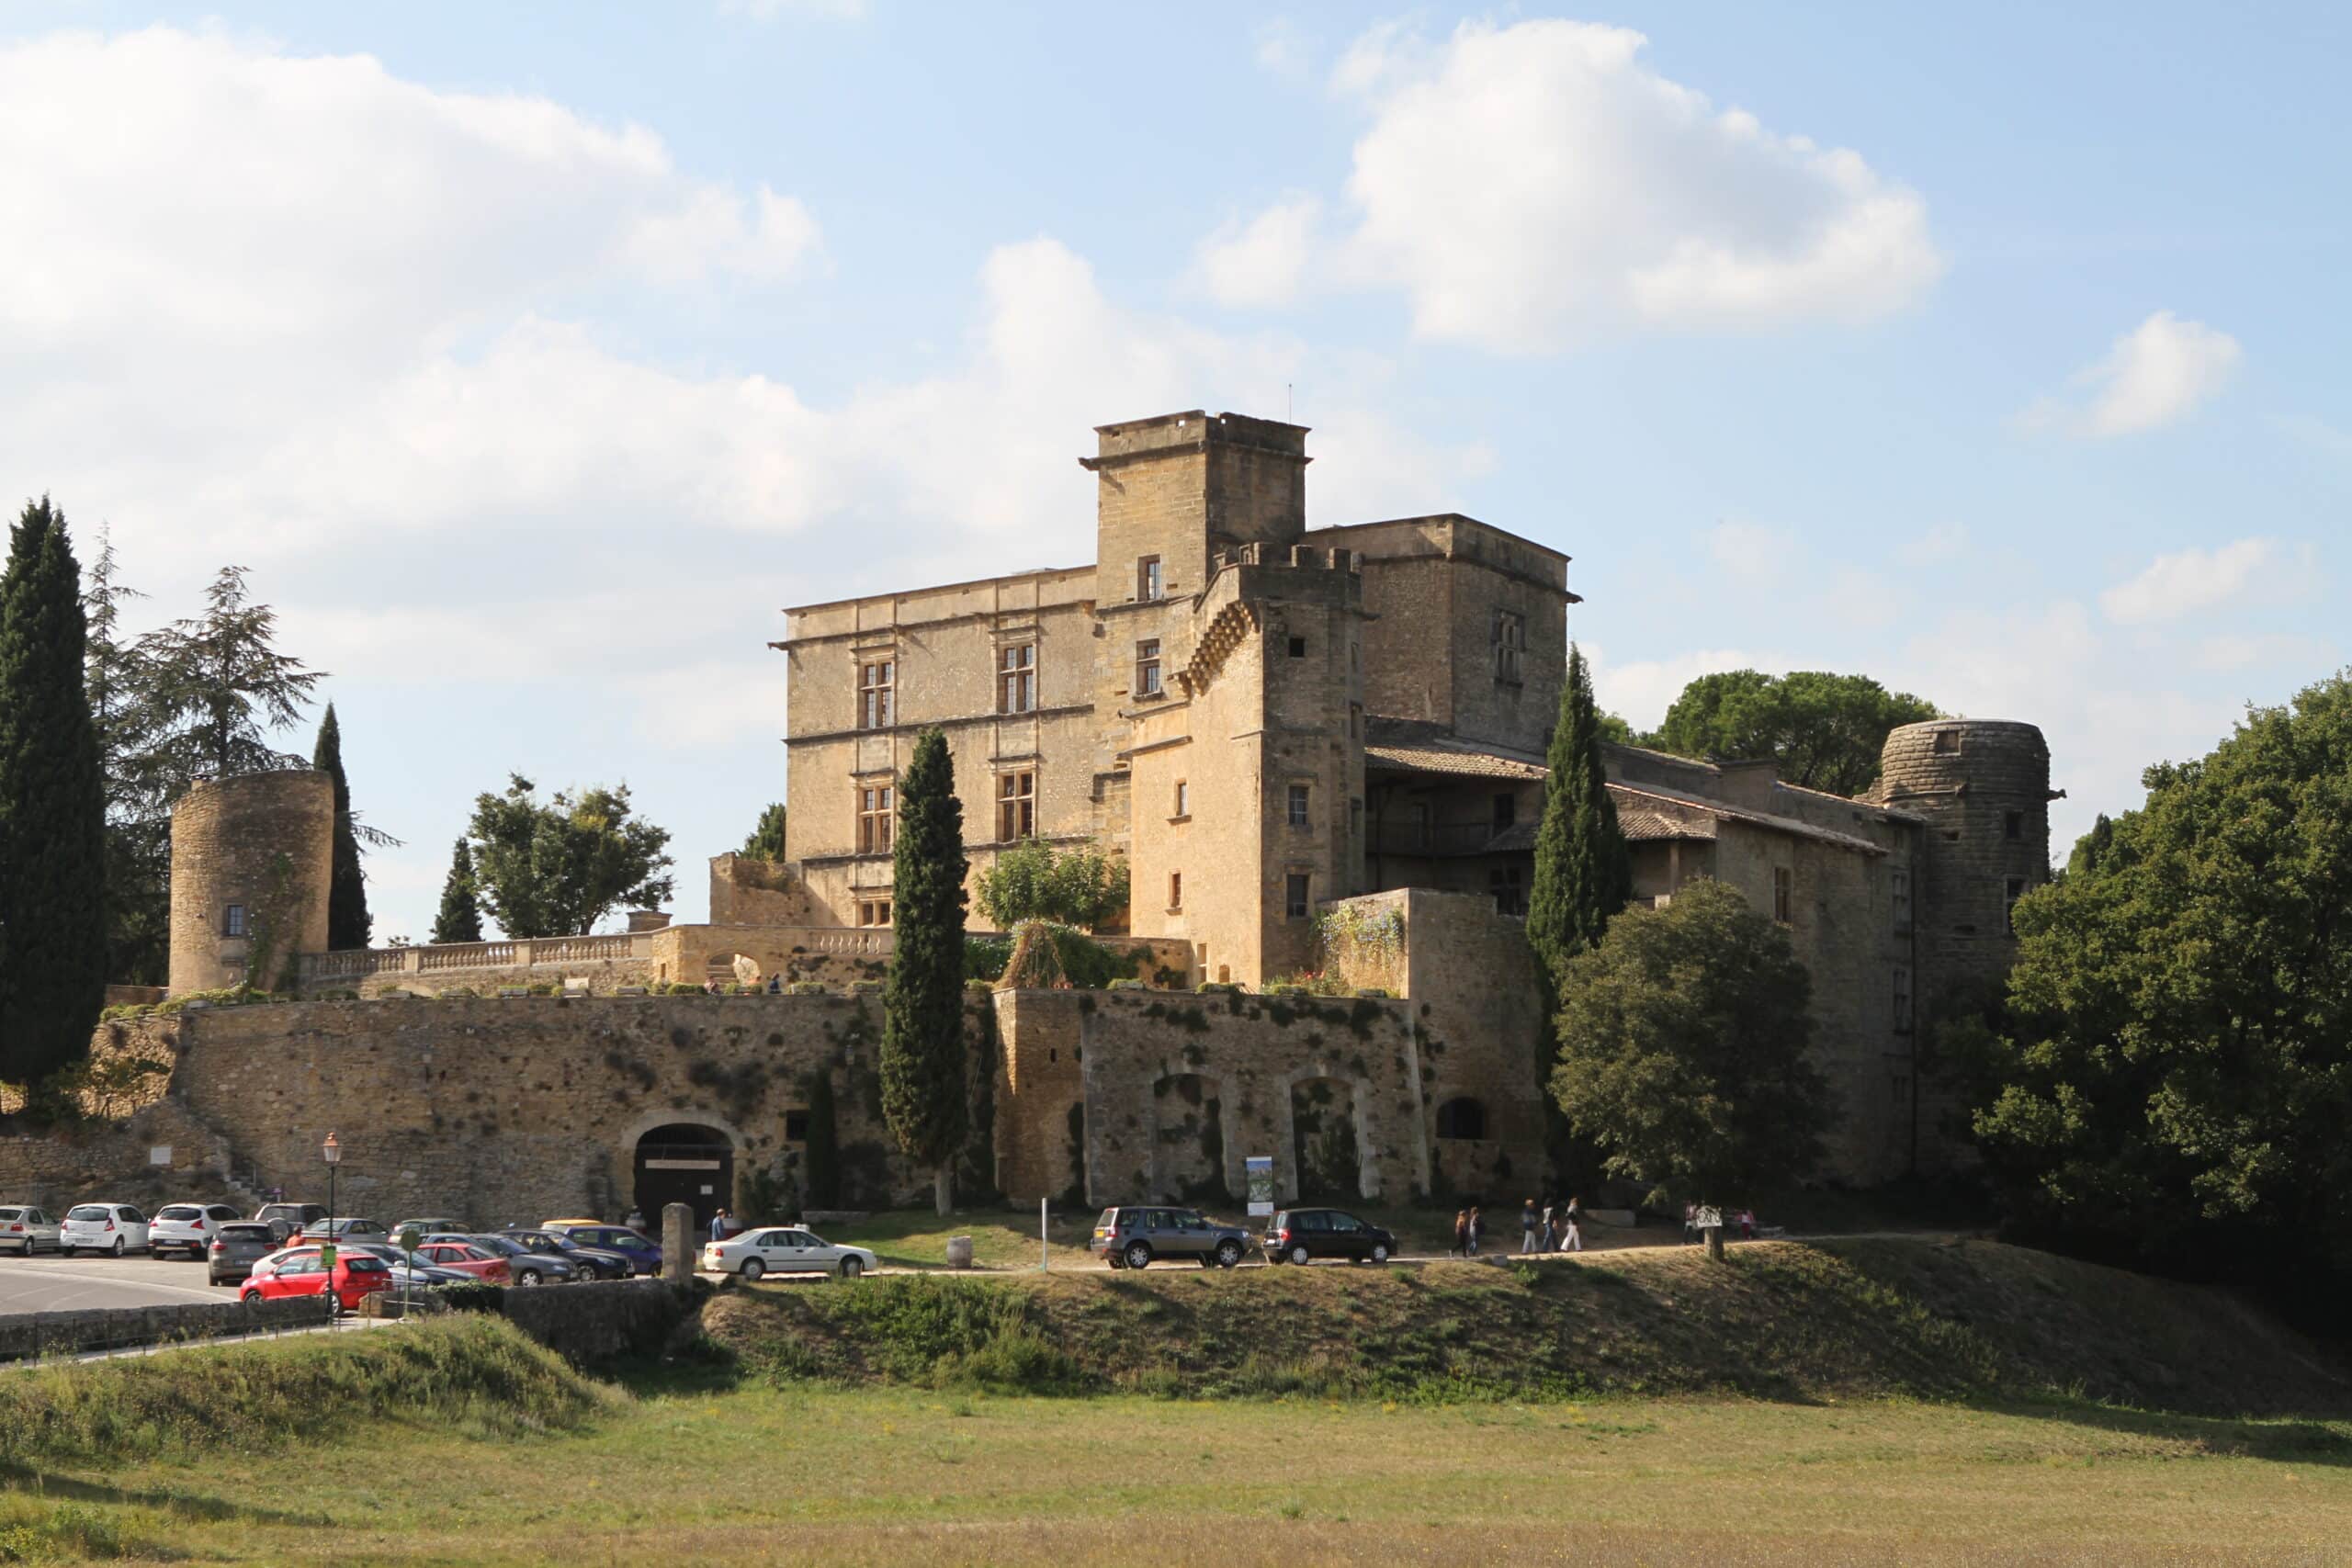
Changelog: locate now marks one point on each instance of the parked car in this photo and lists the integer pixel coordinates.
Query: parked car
(592, 1262)
(785, 1250)
(1294, 1235)
(460, 1256)
(344, 1229)
(236, 1247)
(1135, 1237)
(644, 1254)
(25, 1230)
(302, 1271)
(288, 1219)
(421, 1275)
(103, 1227)
(527, 1268)
(188, 1227)
(428, 1227)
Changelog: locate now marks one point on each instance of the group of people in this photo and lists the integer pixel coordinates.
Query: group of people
(1555, 1228)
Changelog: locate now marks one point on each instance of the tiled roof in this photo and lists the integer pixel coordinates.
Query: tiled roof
(1639, 819)
(1428, 758)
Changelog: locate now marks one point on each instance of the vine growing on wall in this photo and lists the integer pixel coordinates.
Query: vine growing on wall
(1367, 946)
(266, 922)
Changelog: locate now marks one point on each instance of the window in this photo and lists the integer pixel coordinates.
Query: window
(1782, 890)
(2013, 825)
(795, 1126)
(1298, 816)
(1298, 648)
(1147, 666)
(2010, 895)
(1902, 998)
(874, 911)
(1461, 1118)
(876, 684)
(1899, 889)
(1147, 579)
(1184, 798)
(1947, 742)
(1016, 679)
(232, 920)
(1511, 647)
(1016, 806)
(1175, 891)
(1510, 894)
(876, 819)
(1295, 896)
(1505, 811)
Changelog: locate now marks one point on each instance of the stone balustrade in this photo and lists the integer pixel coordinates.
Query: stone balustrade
(320, 968)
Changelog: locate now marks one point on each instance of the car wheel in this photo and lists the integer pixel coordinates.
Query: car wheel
(527, 1277)
(1138, 1255)
(1298, 1252)
(852, 1268)
(1228, 1253)
(753, 1269)
(1380, 1252)
(249, 1298)
(1116, 1261)
(118, 1246)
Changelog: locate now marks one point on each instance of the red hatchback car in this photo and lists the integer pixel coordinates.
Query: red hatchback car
(480, 1261)
(299, 1272)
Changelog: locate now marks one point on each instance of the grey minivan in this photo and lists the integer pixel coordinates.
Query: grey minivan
(1133, 1237)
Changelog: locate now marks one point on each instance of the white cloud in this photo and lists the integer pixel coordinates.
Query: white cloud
(1260, 263)
(2176, 584)
(2157, 373)
(1749, 549)
(1529, 185)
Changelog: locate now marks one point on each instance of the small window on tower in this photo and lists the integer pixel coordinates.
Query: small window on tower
(1947, 742)
(1899, 889)
(1511, 647)
(1505, 811)
(2013, 825)
(1175, 891)
(1298, 648)
(1782, 894)
(1147, 666)
(1184, 798)
(1298, 803)
(232, 920)
(795, 1126)
(1148, 580)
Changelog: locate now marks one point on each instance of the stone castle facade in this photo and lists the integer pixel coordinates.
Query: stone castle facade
(1286, 730)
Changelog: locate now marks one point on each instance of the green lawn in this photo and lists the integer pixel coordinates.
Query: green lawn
(761, 1475)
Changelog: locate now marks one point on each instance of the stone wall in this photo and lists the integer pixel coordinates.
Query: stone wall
(745, 891)
(26, 1337)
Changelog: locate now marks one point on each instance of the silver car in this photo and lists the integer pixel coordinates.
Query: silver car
(24, 1230)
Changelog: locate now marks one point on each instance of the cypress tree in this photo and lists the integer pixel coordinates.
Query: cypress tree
(1582, 873)
(766, 839)
(53, 809)
(460, 916)
(923, 1092)
(348, 922)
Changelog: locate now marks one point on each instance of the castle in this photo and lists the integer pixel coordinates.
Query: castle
(1285, 731)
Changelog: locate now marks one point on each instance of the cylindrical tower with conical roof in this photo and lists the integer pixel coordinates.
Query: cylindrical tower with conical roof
(252, 857)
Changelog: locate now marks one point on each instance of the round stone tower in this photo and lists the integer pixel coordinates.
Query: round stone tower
(1984, 787)
(252, 855)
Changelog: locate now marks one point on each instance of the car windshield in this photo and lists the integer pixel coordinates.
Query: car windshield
(87, 1211)
(181, 1211)
(244, 1233)
(364, 1263)
(9, 1214)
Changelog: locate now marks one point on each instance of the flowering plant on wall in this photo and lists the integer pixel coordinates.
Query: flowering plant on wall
(1367, 946)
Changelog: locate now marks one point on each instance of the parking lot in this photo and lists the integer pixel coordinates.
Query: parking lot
(49, 1283)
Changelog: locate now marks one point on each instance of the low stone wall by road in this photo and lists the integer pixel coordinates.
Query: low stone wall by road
(30, 1336)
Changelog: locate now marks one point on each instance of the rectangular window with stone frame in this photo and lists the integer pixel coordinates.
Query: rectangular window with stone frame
(1295, 896)
(876, 819)
(1298, 814)
(1147, 666)
(1149, 582)
(1016, 806)
(874, 911)
(877, 693)
(232, 923)
(1510, 647)
(1784, 900)
(1016, 683)
(1175, 892)
(1899, 891)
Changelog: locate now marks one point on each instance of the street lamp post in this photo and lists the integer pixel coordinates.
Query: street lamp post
(330, 1152)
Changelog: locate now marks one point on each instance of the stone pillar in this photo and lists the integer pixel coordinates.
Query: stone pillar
(678, 1243)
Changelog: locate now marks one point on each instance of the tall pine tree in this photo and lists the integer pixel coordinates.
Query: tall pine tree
(53, 809)
(923, 1092)
(1582, 873)
(460, 916)
(347, 919)
(139, 861)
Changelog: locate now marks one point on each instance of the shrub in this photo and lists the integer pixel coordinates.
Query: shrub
(865, 988)
(1046, 957)
(1217, 987)
(540, 988)
(1287, 989)
(680, 989)
(984, 956)
(1127, 983)
(460, 992)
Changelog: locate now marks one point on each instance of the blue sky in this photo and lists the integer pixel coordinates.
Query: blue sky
(533, 357)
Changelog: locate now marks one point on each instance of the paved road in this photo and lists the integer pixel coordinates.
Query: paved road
(70, 1284)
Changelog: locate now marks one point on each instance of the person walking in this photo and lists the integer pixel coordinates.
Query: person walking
(1572, 1221)
(1551, 1228)
(1460, 1233)
(1478, 1230)
(718, 1227)
(1527, 1224)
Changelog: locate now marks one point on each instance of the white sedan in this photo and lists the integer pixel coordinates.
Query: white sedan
(117, 1228)
(786, 1251)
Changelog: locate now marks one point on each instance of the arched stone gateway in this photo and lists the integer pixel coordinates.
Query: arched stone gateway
(684, 1162)
(1188, 1139)
(1326, 1139)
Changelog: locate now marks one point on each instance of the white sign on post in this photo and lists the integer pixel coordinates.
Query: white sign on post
(1260, 1171)
(159, 1154)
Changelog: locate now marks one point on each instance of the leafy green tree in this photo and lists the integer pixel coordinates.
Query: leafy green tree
(925, 1096)
(766, 839)
(459, 919)
(1082, 887)
(555, 868)
(2175, 1079)
(139, 872)
(53, 808)
(1825, 731)
(2092, 849)
(348, 922)
(1683, 1042)
(216, 687)
(1582, 873)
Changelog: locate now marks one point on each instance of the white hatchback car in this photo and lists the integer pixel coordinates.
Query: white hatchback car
(787, 1250)
(25, 1230)
(103, 1227)
(188, 1227)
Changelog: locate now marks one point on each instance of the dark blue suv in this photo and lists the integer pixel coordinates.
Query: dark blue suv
(644, 1256)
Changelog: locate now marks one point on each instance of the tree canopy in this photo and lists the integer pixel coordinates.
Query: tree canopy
(1683, 1039)
(766, 839)
(1825, 731)
(348, 922)
(137, 831)
(2174, 1077)
(555, 868)
(459, 919)
(924, 1095)
(1582, 873)
(1082, 886)
(217, 686)
(53, 808)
